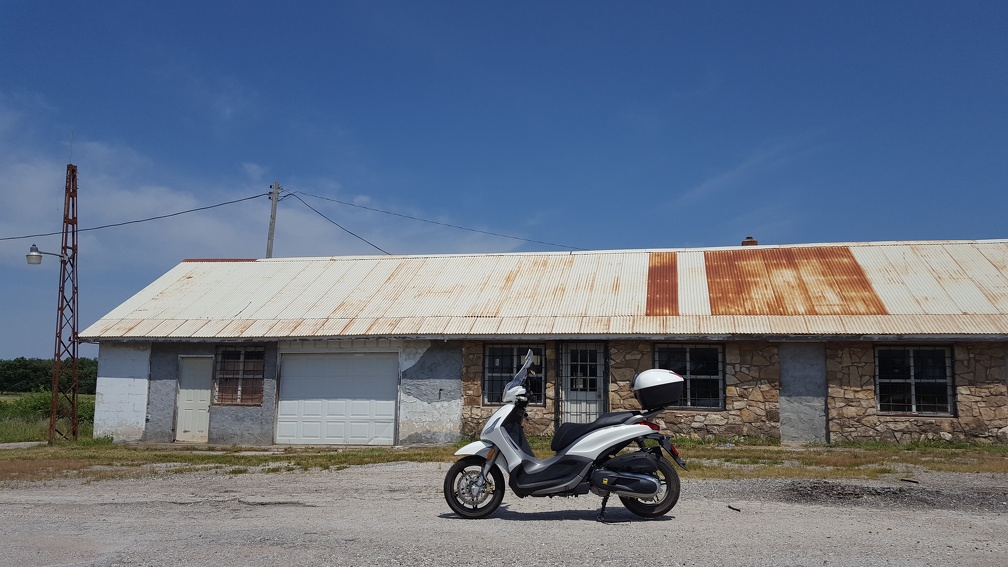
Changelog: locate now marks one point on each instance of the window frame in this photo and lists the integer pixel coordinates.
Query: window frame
(912, 381)
(694, 379)
(501, 378)
(248, 373)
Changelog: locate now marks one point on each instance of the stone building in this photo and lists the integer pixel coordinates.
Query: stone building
(890, 341)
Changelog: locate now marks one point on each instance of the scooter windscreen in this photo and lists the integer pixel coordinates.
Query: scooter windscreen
(520, 376)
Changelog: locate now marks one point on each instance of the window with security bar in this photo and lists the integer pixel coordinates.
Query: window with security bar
(502, 362)
(584, 367)
(702, 368)
(914, 379)
(239, 376)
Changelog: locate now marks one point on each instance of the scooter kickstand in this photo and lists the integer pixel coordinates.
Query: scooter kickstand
(601, 513)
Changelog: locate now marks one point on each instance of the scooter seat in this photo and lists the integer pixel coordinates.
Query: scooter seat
(568, 433)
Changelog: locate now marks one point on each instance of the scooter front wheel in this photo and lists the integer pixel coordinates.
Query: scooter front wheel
(467, 493)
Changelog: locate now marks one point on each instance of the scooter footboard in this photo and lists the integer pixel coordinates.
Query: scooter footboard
(563, 475)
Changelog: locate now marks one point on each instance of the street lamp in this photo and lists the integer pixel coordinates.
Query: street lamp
(34, 255)
(66, 379)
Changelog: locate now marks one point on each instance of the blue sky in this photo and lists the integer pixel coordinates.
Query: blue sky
(594, 125)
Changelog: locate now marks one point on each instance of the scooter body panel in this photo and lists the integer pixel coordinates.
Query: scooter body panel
(478, 448)
(593, 444)
(494, 433)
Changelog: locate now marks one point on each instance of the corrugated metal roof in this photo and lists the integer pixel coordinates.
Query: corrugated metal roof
(947, 288)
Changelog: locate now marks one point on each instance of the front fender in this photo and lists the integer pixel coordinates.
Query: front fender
(479, 448)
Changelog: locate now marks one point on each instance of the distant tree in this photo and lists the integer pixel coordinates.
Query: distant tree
(87, 375)
(33, 374)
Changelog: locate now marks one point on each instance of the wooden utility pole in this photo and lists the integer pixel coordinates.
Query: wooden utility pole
(274, 196)
(63, 419)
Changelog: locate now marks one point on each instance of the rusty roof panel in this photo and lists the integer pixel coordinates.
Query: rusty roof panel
(144, 328)
(166, 327)
(267, 328)
(211, 328)
(789, 281)
(663, 284)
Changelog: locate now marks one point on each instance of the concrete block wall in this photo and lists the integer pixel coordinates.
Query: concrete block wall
(121, 400)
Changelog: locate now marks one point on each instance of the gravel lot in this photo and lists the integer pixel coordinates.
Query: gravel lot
(394, 514)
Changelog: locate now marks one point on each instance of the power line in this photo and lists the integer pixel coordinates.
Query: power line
(362, 239)
(432, 222)
(140, 220)
(296, 195)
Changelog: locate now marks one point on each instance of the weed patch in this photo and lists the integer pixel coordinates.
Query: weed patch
(100, 459)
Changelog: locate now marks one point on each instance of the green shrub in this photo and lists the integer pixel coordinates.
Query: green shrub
(34, 405)
(37, 405)
(85, 409)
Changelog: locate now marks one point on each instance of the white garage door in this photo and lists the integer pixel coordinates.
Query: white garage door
(338, 399)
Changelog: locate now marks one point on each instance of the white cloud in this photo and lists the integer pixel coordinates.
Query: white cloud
(254, 172)
(743, 175)
(119, 184)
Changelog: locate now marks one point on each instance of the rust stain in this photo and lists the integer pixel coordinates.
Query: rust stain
(223, 260)
(663, 285)
(789, 281)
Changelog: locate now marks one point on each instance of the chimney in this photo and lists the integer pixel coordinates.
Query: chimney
(749, 241)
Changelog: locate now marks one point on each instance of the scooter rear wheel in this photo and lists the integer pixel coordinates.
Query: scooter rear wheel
(463, 492)
(662, 502)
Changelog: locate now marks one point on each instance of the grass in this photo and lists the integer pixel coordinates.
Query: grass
(25, 417)
(94, 460)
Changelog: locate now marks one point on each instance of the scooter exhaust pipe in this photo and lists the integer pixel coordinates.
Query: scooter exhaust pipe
(625, 483)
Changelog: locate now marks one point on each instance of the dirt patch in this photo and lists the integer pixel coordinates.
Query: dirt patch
(908, 495)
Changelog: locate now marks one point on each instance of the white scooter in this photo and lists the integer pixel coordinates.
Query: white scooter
(587, 455)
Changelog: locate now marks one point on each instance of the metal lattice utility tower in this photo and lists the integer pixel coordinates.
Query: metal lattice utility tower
(63, 412)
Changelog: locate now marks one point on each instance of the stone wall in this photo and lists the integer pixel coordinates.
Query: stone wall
(540, 418)
(752, 395)
(752, 376)
(752, 384)
(472, 388)
(980, 389)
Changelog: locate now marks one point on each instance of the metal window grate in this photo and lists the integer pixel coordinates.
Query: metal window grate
(914, 379)
(239, 376)
(583, 379)
(702, 368)
(502, 362)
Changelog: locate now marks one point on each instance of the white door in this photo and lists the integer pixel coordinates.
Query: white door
(583, 376)
(338, 399)
(192, 418)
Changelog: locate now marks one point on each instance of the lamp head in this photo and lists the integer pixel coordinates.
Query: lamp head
(34, 256)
